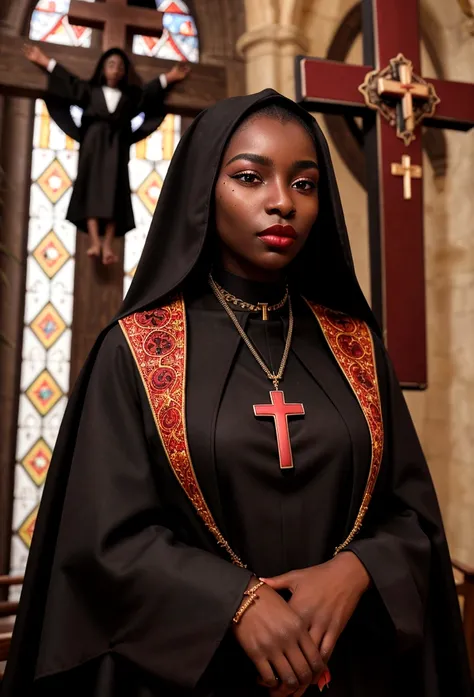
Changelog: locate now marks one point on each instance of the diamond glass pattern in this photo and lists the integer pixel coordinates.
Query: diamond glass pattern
(44, 392)
(36, 462)
(51, 254)
(49, 293)
(48, 325)
(54, 181)
(149, 191)
(27, 528)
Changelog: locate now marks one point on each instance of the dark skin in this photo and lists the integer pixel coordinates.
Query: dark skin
(269, 176)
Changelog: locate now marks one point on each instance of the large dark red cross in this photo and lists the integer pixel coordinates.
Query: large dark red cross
(394, 182)
(279, 410)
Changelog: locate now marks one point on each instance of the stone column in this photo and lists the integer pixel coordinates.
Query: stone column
(17, 134)
(269, 52)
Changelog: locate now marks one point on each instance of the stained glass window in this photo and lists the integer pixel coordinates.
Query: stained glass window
(49, 22)
(150, 158)
(148, 166)
(51, 247)
(47, 323)
(179, 40)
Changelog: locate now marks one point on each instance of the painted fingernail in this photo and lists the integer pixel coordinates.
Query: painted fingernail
(324, 680)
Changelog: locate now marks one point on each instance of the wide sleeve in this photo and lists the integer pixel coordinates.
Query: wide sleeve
(403, 545)
(65, 85)
(150, 99)
(123, 582)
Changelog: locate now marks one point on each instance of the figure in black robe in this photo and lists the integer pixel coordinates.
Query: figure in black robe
(127, 593)
(101, 200)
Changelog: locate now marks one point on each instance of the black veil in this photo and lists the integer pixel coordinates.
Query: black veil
(176, 241)
(175, 249)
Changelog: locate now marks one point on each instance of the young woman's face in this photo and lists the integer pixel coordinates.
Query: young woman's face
(266, 197)
(114, 70)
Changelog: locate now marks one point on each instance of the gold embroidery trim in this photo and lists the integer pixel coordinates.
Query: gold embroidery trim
(157, 340)
(351, 343)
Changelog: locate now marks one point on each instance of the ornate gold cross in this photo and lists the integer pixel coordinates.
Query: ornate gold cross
(401, 96)
(408, 172)
(406, 89)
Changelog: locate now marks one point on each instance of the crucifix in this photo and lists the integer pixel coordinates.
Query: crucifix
(279, 411)
(394, 101)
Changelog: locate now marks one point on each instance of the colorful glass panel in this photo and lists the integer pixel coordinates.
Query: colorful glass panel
(46, 350)
(179, 41)
(51, 248)
(49, 22)
(148, 166)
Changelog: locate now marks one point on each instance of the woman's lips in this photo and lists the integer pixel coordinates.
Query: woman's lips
(281, 236)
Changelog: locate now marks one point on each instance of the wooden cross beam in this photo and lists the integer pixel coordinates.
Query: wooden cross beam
(20, 78)
(391, 27)
(116, 19)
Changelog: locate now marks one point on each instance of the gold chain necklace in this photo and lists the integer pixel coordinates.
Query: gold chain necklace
(264, 308)
(278, 409)
(275, 378)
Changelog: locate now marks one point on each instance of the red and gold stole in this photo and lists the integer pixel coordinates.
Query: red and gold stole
(157, 340)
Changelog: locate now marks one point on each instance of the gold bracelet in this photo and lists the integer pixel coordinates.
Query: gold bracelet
(251, 598)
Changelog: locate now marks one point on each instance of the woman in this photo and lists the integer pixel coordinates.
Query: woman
(171, 492)
(100, 202)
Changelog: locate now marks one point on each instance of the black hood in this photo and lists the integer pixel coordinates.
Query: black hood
(176, 247)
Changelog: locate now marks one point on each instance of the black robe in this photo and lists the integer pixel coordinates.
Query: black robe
(126, 592)
(102, 188)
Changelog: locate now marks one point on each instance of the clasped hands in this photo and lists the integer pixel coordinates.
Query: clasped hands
(291, 642)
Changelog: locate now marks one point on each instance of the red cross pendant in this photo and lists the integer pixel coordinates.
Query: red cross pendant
(279, 410)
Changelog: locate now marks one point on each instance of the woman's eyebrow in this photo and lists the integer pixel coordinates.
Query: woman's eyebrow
(252, 157)
(305, 164)
(268, 162)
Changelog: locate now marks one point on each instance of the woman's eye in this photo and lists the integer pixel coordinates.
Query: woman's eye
(247, 177)
(305, 185)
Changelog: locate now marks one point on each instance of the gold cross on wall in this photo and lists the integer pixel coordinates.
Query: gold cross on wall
(408, 172)
(406, 90)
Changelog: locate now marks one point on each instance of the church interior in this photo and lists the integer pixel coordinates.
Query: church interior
(55, 299)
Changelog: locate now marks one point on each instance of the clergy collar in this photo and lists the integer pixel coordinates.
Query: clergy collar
(250, 291)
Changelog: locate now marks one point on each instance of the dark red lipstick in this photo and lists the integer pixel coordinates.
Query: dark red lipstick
(281, 236)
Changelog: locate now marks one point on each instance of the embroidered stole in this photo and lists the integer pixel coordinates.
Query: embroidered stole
(157, 340)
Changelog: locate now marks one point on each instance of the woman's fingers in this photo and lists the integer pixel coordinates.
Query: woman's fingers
(327, 645)
(313, 656)
(267, 675)
(301, 666)
(288, 682)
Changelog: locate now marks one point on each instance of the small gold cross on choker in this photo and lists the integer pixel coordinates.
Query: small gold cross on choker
(264, 308)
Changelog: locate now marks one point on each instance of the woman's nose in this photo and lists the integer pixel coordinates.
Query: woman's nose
(280, 200)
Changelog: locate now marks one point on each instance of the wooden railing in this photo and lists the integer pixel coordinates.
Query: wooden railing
(8, 610)
(464, 585)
